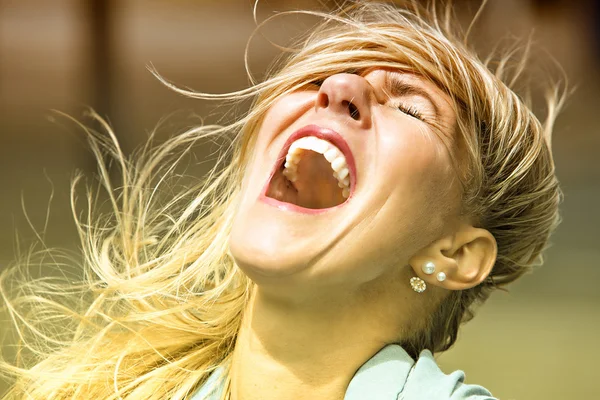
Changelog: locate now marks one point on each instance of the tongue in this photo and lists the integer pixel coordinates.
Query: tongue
(316, 185)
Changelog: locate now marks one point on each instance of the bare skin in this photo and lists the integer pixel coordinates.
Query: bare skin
(333, 289)
(311, 351)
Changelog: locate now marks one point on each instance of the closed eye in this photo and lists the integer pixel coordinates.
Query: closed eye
(317, 82)
(410, 110)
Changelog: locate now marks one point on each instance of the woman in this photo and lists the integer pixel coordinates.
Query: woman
(383, 183)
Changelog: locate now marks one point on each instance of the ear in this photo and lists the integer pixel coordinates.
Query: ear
(464, 258)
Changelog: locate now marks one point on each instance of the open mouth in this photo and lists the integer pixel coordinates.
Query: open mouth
(312, 173)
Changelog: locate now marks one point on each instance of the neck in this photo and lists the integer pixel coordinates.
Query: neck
(311, 349)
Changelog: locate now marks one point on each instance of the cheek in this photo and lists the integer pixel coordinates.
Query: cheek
(268, 141)
(417, 156)
(282, 114)
(423, 182)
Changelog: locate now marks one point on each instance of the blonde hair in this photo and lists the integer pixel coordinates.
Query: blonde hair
(162, 300)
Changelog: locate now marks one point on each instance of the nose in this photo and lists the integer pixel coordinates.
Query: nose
(349, 96)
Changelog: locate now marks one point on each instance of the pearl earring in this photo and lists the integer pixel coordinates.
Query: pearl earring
(428, 268)
(418, 284)
(441, 277)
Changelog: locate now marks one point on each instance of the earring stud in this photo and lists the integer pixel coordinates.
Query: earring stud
(418, 284)
(441, 277)
(428, 268)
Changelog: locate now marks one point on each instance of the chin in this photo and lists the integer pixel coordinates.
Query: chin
(265, 249)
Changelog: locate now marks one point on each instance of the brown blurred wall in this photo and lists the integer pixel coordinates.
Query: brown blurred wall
(538, 342)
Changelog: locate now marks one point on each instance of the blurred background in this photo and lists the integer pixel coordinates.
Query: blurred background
(540, 341)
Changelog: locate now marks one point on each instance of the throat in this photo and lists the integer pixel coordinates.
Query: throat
(287, 360)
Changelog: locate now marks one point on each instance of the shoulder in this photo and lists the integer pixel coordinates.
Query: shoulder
(427, 381)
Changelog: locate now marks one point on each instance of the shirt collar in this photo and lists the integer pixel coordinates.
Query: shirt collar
(385, 374)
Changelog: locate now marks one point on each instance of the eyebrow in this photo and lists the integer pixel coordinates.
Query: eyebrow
(400, 88)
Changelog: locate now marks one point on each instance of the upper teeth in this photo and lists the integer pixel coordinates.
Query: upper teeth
(329, 151)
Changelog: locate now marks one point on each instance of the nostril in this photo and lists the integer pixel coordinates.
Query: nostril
(352, 109)
(324, 100)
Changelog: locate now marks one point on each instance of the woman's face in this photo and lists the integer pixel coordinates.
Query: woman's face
(295, 223)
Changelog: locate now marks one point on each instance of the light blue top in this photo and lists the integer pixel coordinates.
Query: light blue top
(391, 374)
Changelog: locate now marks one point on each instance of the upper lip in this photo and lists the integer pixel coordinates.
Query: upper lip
(326, 134)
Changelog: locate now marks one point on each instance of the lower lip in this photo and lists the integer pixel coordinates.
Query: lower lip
(295, 208)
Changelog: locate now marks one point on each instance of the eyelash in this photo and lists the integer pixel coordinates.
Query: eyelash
(410, 110)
